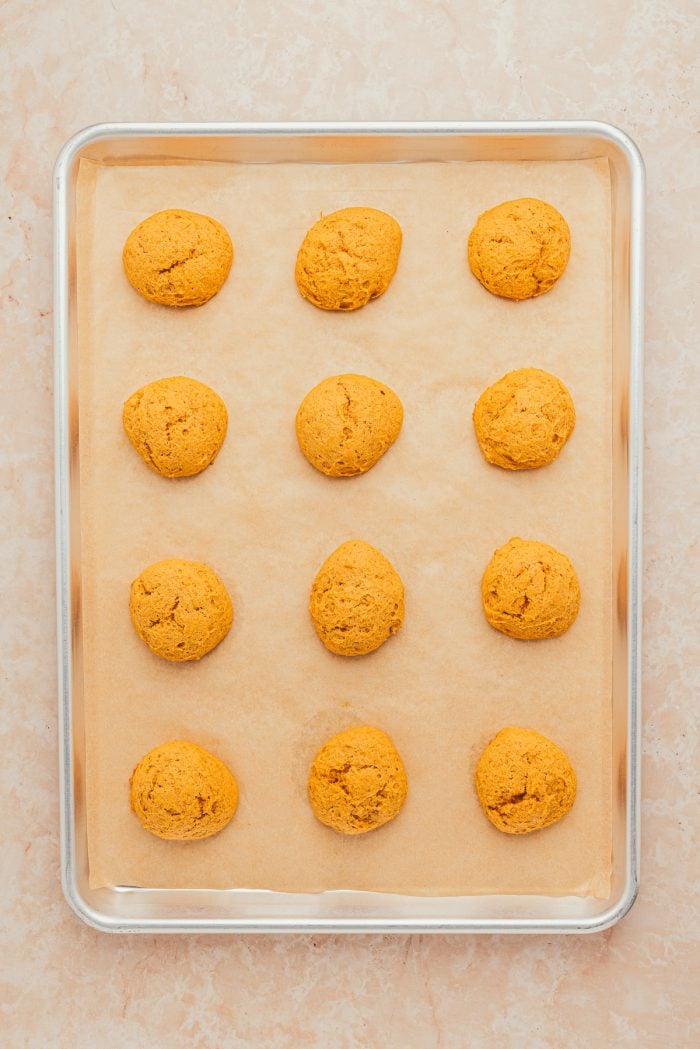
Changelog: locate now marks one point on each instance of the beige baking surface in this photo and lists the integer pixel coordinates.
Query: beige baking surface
(269, 696)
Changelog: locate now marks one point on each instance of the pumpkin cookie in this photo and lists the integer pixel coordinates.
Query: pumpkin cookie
(357, 600)
(348, 258)
(178, 258)
(524, 420)
(181, 792)
(176, 425)
(346, 424)
(180, 609)
(530, 591)
(357, 781)
(519, 249)
(524, 781)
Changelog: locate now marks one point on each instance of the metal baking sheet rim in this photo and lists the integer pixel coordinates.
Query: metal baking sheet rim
(349, 911)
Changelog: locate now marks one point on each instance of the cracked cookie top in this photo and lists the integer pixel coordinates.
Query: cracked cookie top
(181, 609)
(178, 258)
(177, 425)
(180, 791)
(346, 424)
(530, 590)
(524, 781)
(348, 258)
(520, 248)
(357, 600)
(357, 781)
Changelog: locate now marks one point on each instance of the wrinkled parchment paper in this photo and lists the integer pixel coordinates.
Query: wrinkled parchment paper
(264, 519)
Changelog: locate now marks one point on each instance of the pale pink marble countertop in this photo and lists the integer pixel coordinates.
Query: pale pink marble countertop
(70, 64)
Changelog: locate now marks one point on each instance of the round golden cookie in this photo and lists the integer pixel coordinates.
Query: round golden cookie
(181, 792)
(357, 600)
(178, 258)
(348, 258)
(524, 420)
(181, 609)
(524, 781)
(520, 248)
(176, 425)
(530, 590)
(346, 424)
(357, 781)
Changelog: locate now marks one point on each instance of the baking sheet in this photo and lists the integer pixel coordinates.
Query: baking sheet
(268, 697)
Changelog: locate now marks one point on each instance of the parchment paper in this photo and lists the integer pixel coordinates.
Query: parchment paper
(264, 519)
